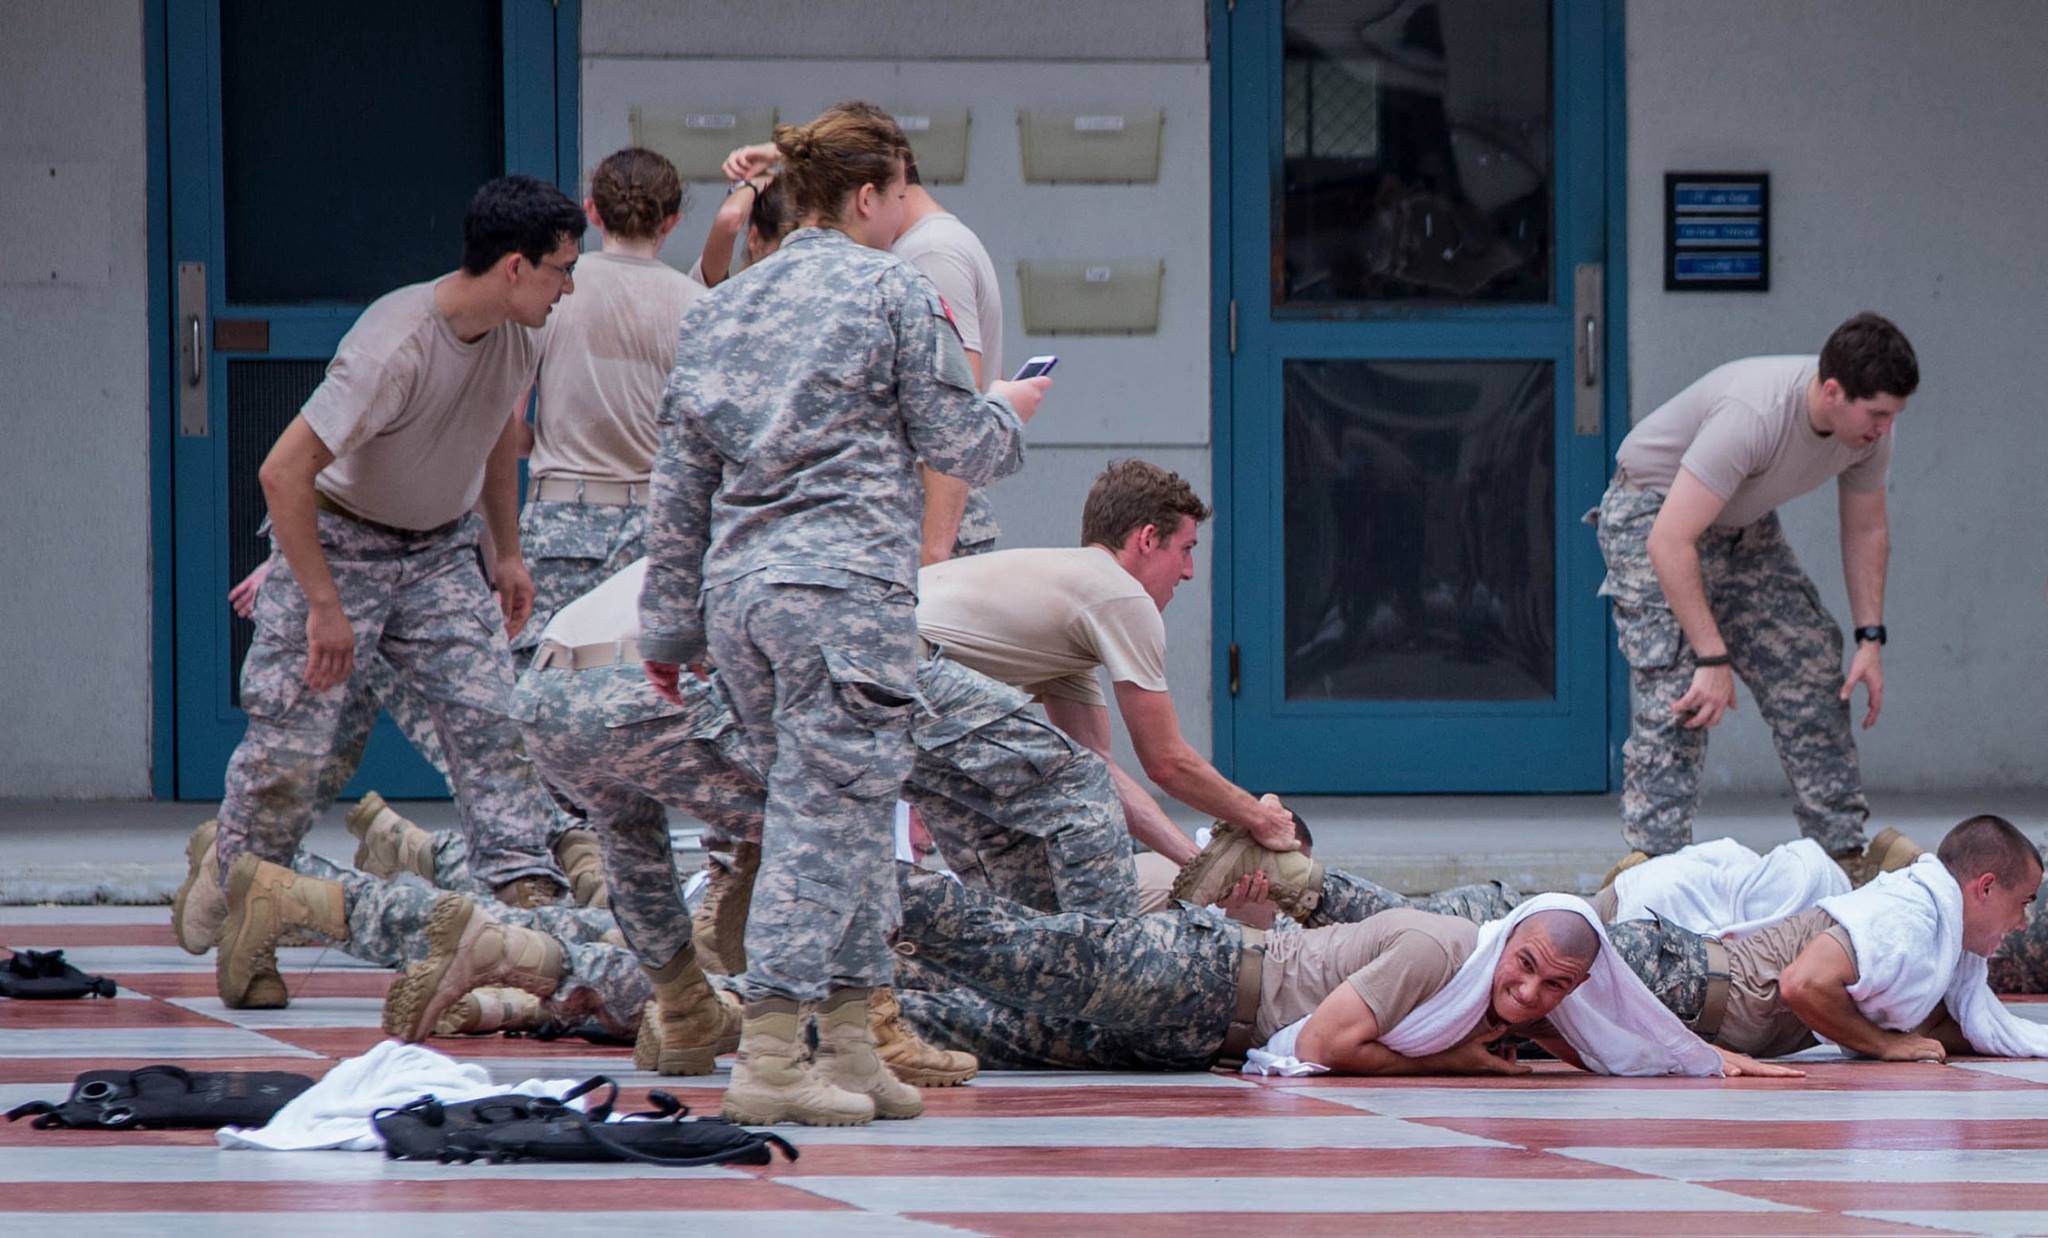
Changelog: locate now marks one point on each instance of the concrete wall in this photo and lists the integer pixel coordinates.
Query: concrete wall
(74, 442)
(1903, 143)
(1142, 395)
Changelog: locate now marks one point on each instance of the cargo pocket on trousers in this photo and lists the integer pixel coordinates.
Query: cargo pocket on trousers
(1649, 636)
(875, 763)
(273, 681)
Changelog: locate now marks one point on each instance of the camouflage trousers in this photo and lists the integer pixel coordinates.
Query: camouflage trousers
(1349, 898)
(1067, 991)
(387, 925)
(821, 669)
(418, 602)
(2020, 964)
(372, 686)
(1669, 960)
(1016, 807)
(1783, 644)
(620, 751)
(572, 548)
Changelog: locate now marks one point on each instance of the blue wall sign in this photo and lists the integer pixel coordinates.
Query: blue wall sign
(1717, 232)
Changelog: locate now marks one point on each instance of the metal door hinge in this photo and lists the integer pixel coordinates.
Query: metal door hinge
(1233, 326)
(1233, 668)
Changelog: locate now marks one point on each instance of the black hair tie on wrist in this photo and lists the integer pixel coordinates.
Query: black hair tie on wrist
(1710, 659)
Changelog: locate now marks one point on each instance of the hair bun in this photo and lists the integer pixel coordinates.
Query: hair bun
(795, 141)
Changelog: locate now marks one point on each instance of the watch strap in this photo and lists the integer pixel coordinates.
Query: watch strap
(1873, 631)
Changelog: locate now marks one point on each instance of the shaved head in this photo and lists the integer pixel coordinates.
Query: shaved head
(1570, 935)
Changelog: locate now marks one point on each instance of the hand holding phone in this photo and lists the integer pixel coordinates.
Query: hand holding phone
(1035, 367)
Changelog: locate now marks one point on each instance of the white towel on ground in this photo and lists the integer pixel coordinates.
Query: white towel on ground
(1723, 889)
(1907, 928)
(335, 1112)
(1617, 1025)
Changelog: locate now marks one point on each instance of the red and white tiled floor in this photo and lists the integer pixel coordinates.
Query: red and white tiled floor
(1864, 1148)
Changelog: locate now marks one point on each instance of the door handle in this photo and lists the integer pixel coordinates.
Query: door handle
(195, 340)
(193, 414)
(1589, 393)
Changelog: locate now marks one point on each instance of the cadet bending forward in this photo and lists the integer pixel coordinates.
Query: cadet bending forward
(783, 541)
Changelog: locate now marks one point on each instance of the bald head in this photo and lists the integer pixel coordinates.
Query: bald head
(1571, 936)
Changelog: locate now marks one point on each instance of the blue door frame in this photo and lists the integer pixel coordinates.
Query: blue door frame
(195, 723)
(1567, 743)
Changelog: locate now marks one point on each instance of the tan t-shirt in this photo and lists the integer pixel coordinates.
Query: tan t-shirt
(411, 412)
(1156, 875)
(1744, 432)
(605, 353)
(1757, 1021)
(1395, 960)
(953, 258)
(1043, 619)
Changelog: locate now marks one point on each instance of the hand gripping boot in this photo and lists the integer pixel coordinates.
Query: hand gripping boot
(1296, 880)
(481, 1012)
(388, 844)
(719, 925)
(578, 853)
(264, 902)
(688, 1024)
(468, 950)
(906, 1054)
(847, 1057)
(200, 908)
(771, 1081)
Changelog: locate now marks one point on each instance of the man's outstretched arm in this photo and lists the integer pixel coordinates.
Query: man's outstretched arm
(1188, 777)
(1816, 987)
(1343, 1034)
(1147, 822)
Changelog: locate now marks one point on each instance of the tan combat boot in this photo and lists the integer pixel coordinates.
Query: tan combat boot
(847, 1058)
(527, 893)
(578, 853)
(386, 843)
(1296, 880)
(481, 1012)
(265, 901)
(201, 907)
(468, 950)
(688, 1024)
(771, 1081)
(1889, 851)
(1622, 865)
(719, 925)
(907, 1055)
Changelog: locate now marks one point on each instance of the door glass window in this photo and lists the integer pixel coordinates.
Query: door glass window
(1417, 153)
(352, 137)
(1420, 548)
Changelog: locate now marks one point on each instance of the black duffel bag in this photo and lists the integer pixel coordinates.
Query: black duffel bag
(43, 974)
(517, 1127)
(166, 1097)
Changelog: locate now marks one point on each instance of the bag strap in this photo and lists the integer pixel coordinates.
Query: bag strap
(595, 1132)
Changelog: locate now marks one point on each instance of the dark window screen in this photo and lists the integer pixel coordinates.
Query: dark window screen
(263, 397)
(353, 135)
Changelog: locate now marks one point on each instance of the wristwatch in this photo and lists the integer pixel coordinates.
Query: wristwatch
(1874, 632)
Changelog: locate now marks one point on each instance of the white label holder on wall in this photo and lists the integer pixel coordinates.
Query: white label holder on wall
(1091, 298)
(938, 137)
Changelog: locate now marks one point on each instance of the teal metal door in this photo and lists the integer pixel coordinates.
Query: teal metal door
(1412, 391)
(319, 155)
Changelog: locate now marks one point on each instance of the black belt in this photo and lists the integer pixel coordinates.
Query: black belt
(333, 507)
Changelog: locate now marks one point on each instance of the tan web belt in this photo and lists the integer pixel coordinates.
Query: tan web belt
(1251, 972)
(602, 493)
(1715, 1007)
(587, 657)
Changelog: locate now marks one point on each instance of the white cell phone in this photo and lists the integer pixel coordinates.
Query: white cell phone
(1035, 367)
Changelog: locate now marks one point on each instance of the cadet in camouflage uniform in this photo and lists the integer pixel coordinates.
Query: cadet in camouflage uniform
(604, 356)
(783, 540)
(370, 489)
(1705, 588)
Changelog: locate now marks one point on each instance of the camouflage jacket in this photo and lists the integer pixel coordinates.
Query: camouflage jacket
(805, 392)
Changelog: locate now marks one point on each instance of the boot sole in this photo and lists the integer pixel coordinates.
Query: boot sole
(364, 814)
(648, 1053)
(410, 1011)
(1194, 874)
(735, 1113)
(1222, 853)
(195, 859)
(932, 1079)
(264, 988)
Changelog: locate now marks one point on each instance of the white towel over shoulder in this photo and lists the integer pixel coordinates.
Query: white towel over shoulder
(1613, 1020)
(1907, 928)
(1723, 889)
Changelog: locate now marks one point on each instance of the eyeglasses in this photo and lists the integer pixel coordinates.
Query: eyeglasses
(566, 272)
